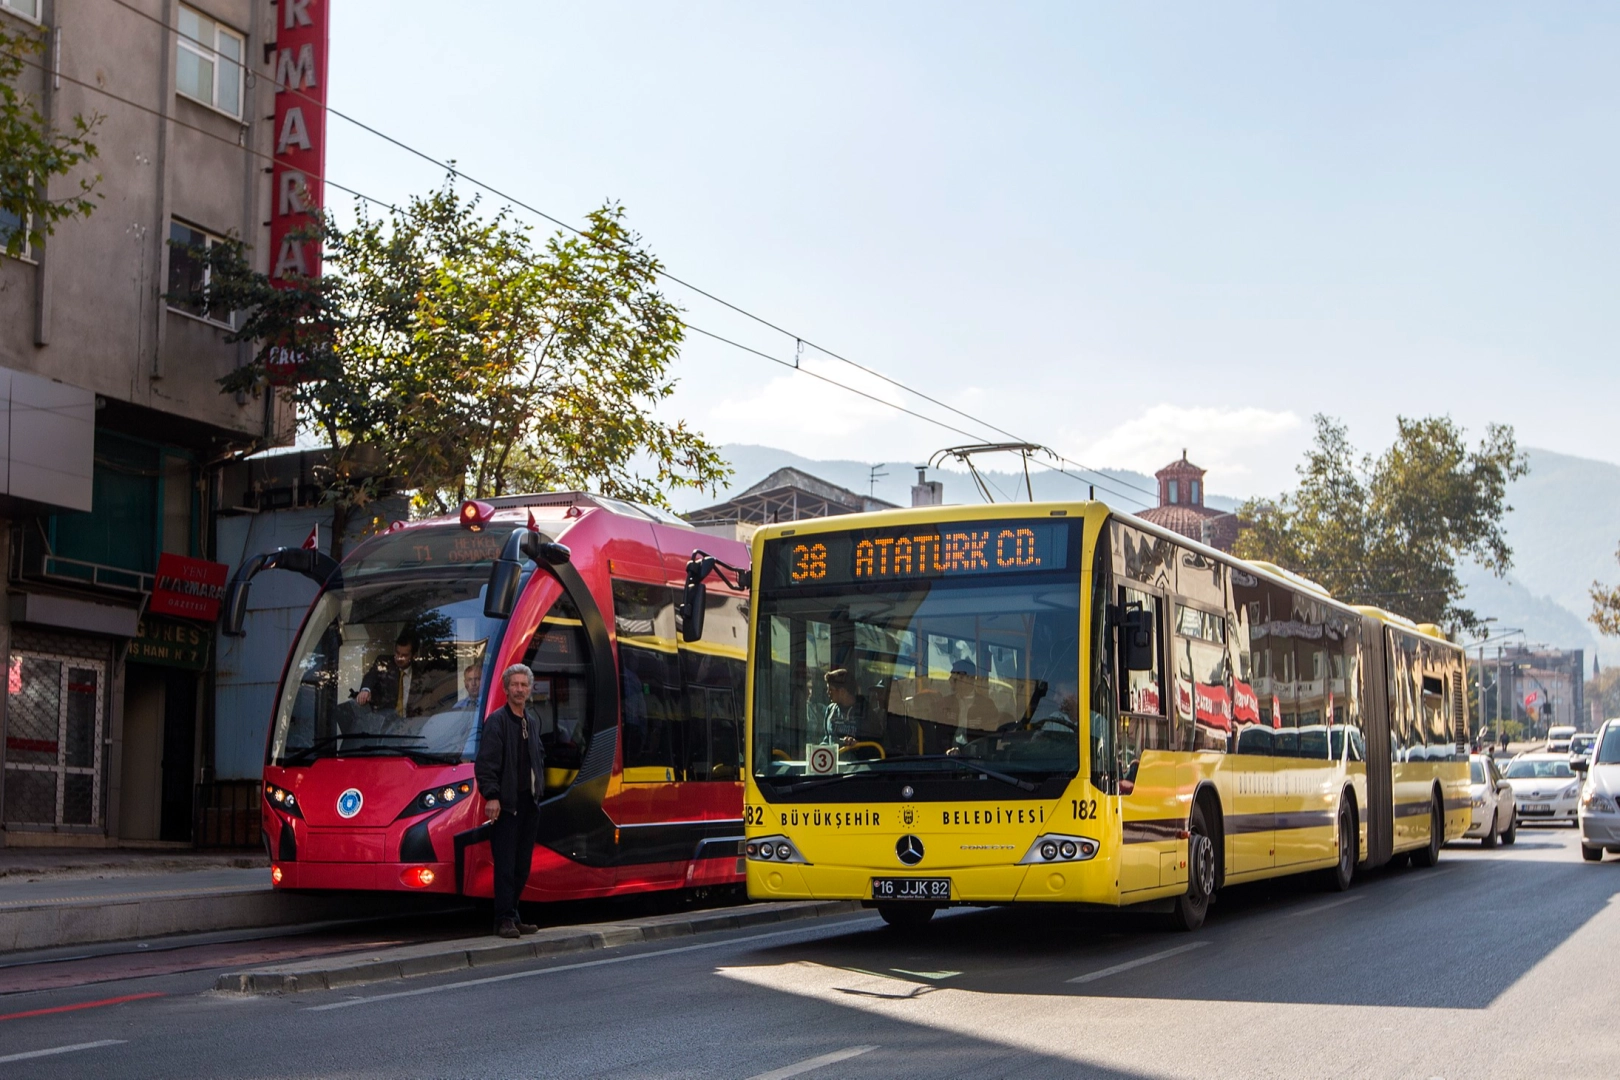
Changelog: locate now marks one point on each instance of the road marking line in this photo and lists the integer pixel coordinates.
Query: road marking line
(566, 967)
(809, 1064)
(1092, 976)
(60, 1050)
(84, 1005)
(1323, 907)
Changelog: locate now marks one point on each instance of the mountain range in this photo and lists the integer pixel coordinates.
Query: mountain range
(1564, 525)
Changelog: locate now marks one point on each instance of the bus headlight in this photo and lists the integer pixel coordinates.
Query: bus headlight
(1060, 849)
(773, 849)
(1055, 848)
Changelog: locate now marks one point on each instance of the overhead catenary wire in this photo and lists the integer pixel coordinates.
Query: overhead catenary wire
(800, 340)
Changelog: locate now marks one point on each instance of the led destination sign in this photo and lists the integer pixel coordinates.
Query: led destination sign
(923, 552)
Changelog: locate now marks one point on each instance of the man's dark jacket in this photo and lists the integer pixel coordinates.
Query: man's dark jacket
(496, 767)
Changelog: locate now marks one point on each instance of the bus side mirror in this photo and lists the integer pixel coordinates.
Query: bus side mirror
(694, 604)
(500, 597)
(1136, 638)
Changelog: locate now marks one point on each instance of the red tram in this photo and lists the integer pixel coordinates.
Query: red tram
(368, 778)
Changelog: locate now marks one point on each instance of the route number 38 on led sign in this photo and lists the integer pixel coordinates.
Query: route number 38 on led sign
(929, 552)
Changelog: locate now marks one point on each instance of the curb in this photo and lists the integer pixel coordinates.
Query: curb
(437, 958)
(47, 925)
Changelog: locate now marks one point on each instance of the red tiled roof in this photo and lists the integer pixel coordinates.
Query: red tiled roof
(1187, 520)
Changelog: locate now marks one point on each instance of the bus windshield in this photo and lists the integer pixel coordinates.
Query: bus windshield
(925, 677)
(387, 668)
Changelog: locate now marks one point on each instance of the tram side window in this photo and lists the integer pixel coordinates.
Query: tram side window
(712, 688)
(560, 663)
(649, 682)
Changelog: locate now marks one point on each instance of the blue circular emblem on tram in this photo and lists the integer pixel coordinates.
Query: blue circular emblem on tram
(349, 803)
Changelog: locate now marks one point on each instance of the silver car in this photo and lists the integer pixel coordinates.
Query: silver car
(1492, 799)
(1600, 795)
(1545, 788)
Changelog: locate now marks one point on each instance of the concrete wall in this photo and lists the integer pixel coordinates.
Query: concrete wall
(89, 310)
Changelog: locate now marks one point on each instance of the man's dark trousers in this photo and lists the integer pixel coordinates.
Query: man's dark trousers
(511, 846)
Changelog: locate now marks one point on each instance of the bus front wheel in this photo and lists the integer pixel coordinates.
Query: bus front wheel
(906, 916)
(1192, 905)
(1428, 856)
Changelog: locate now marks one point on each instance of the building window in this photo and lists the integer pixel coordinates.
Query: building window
(1173, 491)
(28, 9)
(1194, 485)
(189, 272)
(208, 67)
(10, 225)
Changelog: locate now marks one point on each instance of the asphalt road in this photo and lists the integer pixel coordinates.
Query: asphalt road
(1494, 964)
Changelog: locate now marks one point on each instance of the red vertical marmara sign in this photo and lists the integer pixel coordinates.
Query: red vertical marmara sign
(298, 168)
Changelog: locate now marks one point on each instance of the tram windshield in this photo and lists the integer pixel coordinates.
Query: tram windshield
(925, 676)
(388, 669)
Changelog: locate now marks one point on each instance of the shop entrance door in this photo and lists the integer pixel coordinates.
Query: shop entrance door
(53, 752)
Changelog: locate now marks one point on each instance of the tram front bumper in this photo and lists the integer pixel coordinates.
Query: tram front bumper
(367, 876)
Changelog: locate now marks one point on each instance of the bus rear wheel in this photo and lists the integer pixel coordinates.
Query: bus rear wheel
(1429, 856)
(1192, 905)
(906, 916)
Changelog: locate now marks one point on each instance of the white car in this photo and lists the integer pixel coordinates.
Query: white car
(1492, 799)
(1580, 745)
(1600, 796)
(1545, 788)
(1558, 737)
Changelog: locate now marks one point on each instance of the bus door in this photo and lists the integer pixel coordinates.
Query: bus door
(1145, 766)
(1248, 791)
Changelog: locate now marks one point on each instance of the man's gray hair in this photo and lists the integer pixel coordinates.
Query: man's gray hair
(515, 669)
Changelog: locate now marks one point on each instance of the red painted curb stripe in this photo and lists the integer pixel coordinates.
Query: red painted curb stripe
(83, 1005)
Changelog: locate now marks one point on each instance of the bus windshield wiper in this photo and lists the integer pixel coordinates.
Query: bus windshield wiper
(966, 763)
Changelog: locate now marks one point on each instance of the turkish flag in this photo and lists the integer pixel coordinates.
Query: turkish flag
(312, 542)
(534, 526)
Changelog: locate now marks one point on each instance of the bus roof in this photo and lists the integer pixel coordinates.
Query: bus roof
(1084, 509)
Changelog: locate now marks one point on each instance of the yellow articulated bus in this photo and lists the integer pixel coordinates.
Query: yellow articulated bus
(1063, 703)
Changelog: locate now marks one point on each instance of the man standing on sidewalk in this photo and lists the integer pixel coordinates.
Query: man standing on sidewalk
(508, 770)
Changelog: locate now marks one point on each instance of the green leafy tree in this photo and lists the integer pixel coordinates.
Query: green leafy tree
(1606, 606)
(32, 152)
(1390, 531)
(445, 354)
(1604, 688)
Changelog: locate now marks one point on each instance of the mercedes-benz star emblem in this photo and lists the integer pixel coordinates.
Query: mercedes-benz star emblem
(910, 849)
(349, 803)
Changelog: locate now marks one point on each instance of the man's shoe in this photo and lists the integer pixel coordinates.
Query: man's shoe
(507, 929)
(527, 928)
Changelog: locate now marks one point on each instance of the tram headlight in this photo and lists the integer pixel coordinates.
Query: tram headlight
(1056, 847)
(438, 798)
(282, 799)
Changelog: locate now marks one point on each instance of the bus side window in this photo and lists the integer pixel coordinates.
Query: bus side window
(712, 686)
(649, 682)
(1145, 721)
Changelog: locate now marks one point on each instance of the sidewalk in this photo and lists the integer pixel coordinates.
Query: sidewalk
(56, 897)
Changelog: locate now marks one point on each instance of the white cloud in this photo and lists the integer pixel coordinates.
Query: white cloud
(1245, 450)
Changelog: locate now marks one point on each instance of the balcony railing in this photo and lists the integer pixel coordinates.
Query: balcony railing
(33, 560)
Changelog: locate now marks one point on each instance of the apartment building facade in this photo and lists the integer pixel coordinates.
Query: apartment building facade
(113, 428)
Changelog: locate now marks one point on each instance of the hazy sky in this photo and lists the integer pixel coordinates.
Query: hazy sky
(1117, 230)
